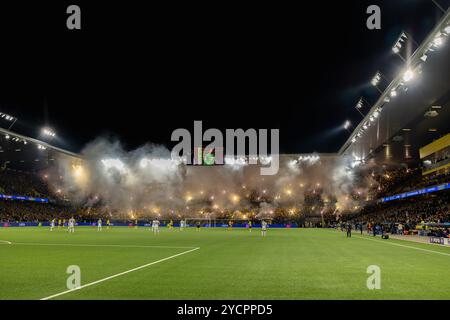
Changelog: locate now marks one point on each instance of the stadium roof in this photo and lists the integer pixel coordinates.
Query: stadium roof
(409, 113)
(21, 152)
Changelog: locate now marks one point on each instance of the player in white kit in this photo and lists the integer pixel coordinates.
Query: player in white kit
(155, 226)
(99, 225)
(182, 225)
(52, 224)
(263, 228)
(71, 225)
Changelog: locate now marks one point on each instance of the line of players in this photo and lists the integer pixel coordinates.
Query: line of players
(71, 224)
(155, 225)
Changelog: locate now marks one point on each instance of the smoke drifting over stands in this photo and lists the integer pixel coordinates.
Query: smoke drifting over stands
(147, 182)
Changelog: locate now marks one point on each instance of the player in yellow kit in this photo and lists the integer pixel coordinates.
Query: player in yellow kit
(230, 225)
(107, 224)
(170, 225)
(59, 224)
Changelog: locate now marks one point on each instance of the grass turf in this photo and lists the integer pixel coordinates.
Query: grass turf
(287, 264)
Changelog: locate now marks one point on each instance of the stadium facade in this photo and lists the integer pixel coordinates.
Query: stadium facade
(414, 109)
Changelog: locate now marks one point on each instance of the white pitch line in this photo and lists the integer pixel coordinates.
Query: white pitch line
(94, 245)
(5, 242)
(117, 275)
(405, 246)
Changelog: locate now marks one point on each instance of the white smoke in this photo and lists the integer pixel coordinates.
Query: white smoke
(147, 180)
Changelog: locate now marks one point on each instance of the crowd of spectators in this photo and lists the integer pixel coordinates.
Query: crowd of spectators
(410, 212)
(387, 182)
(13, 182)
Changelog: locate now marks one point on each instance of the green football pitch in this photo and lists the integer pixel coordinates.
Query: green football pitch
(128, 263)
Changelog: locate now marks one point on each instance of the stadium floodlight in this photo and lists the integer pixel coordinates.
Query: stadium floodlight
(438, 40)
(393, 93)
(366, 126)
(7, 137)
(7, 116)
(447, 29)
(360, 104)
(408, 75)
(48, 132)
(376, 79)
(399, 44)
(353, 139)
(376, 113)
(347, 125)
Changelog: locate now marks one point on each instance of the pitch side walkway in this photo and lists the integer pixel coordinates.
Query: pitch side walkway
(413, 238)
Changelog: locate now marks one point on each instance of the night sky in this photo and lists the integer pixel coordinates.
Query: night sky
(139, 72)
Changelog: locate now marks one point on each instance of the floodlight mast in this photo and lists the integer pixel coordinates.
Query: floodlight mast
(359, 106)
(399, 44)
(10, 118)
(377, 79)
(12, 124)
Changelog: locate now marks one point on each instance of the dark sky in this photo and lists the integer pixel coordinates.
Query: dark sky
(139, 72)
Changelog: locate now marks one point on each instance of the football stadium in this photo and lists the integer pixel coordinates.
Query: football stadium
(370, 221)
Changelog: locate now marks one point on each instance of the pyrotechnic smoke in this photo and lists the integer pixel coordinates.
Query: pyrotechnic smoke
(148, 182)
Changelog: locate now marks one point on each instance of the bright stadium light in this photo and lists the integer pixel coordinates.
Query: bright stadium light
(360, 104)
(366, 126)
(376, 79)
(447, 29)
(347, 125)
(48, 132)
(393, 93)
(438, 41)
(7, 117)
(408, 75)
(399, 44)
